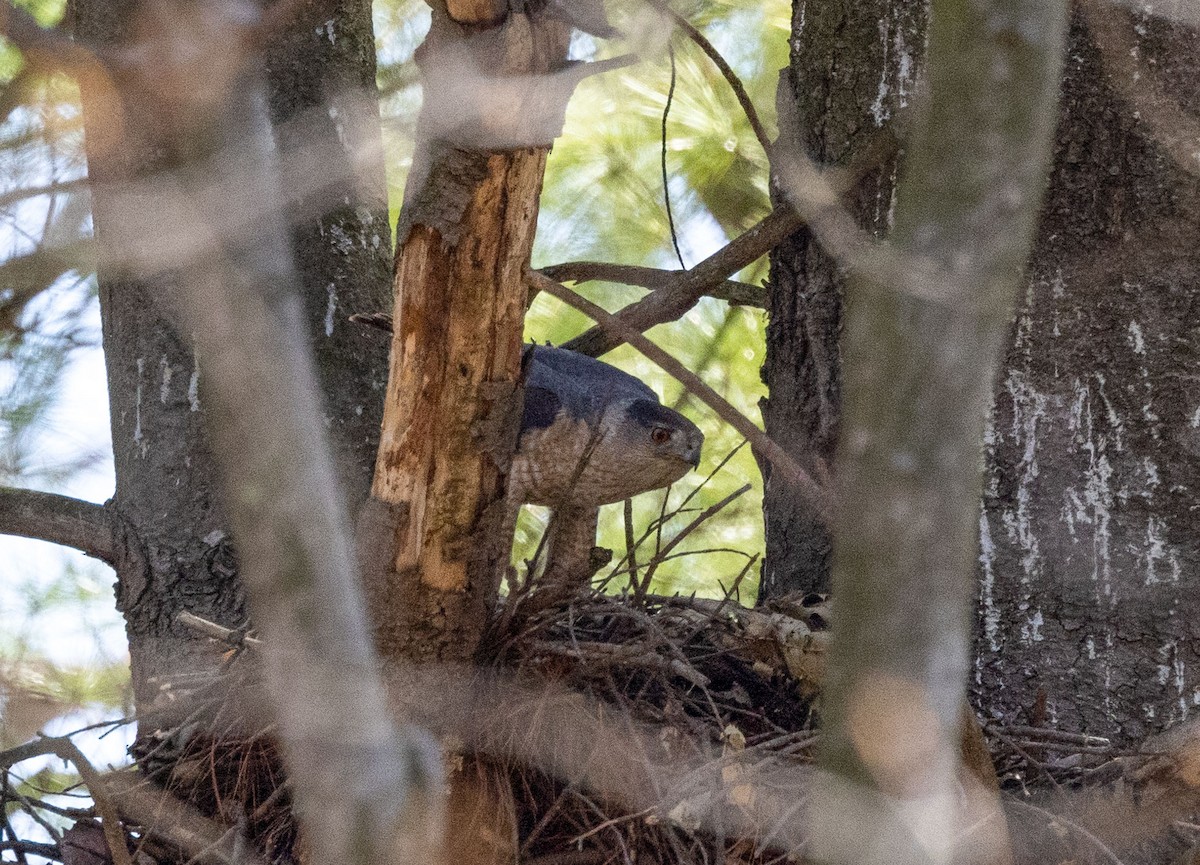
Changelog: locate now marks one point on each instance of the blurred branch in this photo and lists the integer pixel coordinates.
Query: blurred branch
(165, 817)
(65, 749)
(24, 277)
(23, 193)
(653, 278)
(613, 326)
(919, 370)
(22, 30)
(686, 289)
(1141, 83)
(59, 520)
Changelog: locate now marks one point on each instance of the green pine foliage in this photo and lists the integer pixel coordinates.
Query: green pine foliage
(603, 200)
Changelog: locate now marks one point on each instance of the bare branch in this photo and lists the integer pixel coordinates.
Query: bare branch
(622, 331)
(64, 748)
(673, 299)
(58, 519)
(653, 278)
(670, 303)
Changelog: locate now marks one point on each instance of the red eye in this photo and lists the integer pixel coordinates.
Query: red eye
(661, 435)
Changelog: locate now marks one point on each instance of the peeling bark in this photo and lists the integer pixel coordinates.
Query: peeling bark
(467, 231)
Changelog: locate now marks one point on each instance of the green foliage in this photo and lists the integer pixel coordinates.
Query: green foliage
(603, 199)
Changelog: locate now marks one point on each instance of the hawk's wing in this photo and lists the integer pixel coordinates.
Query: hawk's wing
(576, 383)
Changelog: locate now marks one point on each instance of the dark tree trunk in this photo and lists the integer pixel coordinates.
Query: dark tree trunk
(1089, 605)
(321, 74)
(165, 477)
(852, 69)
(166, 483)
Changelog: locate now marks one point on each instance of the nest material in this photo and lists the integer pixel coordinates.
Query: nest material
(710, 677)
(730, 694)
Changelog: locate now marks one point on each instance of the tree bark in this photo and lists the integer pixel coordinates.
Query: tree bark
(852, 71)
(1088, 599)
(164, 471)
(466, 231)
(164, 492)
(321, 81)
(919, 367)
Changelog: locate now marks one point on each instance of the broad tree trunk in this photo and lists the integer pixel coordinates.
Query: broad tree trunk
(1089, 602)
(165, 489)
(852, 69)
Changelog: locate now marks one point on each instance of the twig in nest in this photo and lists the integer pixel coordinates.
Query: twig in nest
(1059, 820)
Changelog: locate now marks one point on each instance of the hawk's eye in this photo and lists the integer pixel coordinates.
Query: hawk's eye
(660, 435)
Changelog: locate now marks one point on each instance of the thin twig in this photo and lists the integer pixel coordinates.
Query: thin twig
(781, 460)
(653, 564)
(665, 180)
(232, 636)
(1051, 735)
(735, 83)
(630, 546)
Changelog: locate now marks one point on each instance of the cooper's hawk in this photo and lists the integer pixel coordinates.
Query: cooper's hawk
(590, 435)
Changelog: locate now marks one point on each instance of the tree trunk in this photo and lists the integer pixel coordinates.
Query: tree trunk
(466, 233)
(321, 77)
(1089, 597)
(178, 556)
(852, 69)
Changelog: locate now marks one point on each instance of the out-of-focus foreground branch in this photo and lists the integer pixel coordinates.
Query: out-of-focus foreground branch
(364, 791)
(919, 369)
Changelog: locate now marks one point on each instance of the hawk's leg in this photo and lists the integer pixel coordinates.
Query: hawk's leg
(570, 539)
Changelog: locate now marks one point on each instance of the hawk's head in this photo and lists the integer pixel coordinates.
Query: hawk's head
(592, 434)
(661, 435)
